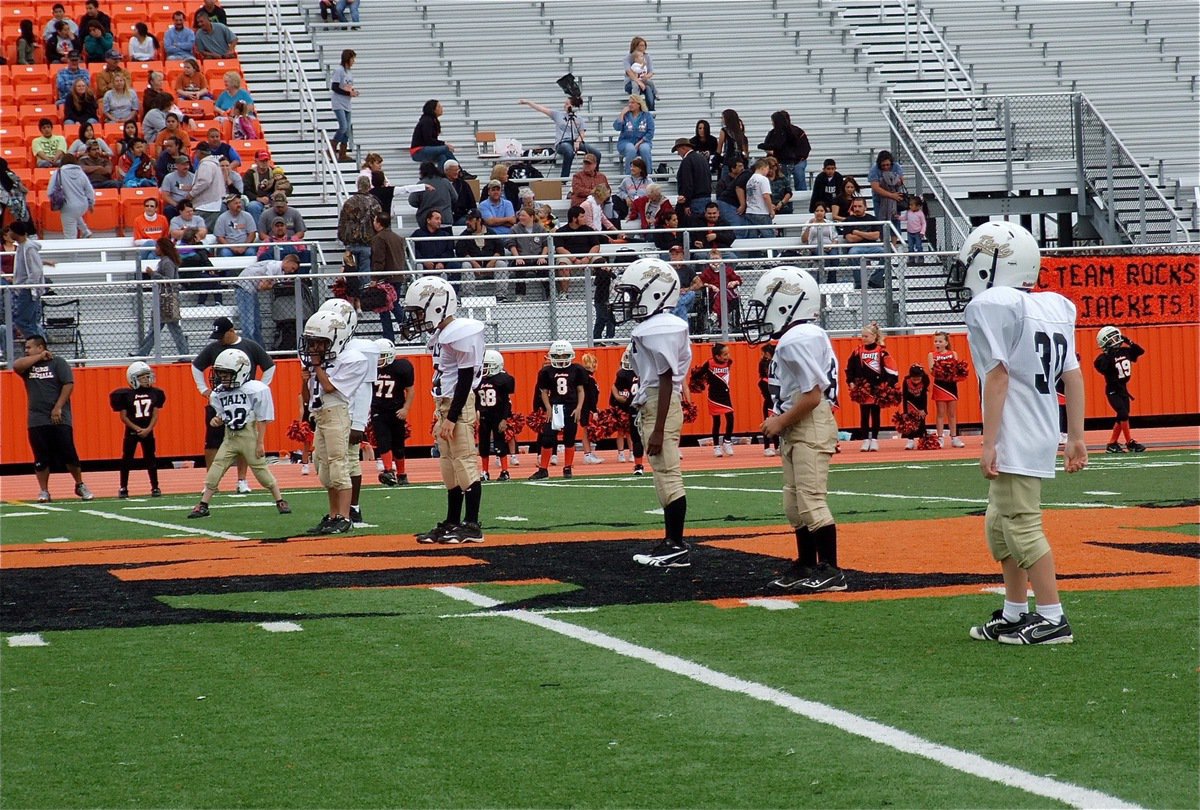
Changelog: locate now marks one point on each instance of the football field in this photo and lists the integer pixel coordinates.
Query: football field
(151, 660)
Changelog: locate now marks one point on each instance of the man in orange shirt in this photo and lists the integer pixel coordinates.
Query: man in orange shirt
(150, 227)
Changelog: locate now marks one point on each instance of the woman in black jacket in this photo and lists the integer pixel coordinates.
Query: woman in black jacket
(789, 145)
(427, 144)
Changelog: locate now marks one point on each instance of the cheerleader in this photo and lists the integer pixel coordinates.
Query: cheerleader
(621, 396)
(770, 443)
(717, 373)
(591, 403)
(871, 364)
(914, 402)
(945, 390)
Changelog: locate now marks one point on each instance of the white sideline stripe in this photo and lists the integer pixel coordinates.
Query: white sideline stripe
(771, 604)
(483, 614)
(28, 640)
(24, 514)
(58, 539)
(280, 627)
(894, 738)
(156, 524)
(1100, 492)
(162, 507)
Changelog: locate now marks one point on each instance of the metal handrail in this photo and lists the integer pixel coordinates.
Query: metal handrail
(905, 136)
(945, 55)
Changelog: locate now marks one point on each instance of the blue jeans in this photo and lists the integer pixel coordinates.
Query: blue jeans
(876, 278)
(249, 316)
(684, 307)
(343, 131)
(567, 150)
(629, 150)
(255, 209)
(435, 154)
(27, 314)
(605, 321)
(758, 219)
(649, 94)
(800, 176)
(914, 243)
(729, 213)
(348, 5)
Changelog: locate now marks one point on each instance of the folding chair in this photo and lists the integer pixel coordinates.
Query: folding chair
(60, 325)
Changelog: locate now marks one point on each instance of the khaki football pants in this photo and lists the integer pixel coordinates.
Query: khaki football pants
(806, 449)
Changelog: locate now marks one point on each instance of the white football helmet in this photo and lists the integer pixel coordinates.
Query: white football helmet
(782, 296)
(387, 351)
(136, 372)
(627, 359)
(493, 362)
(344, 309)
(646, 288)
(996, 254)
(325, 335)
(428, 302)
(1109, 337)
(232, 368)
(561, 353)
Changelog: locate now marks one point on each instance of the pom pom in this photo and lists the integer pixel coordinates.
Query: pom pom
(860, 392)
(697, 380)
(948, 370)
(338, 288)
(513, 426)
(369, 434)
(929, 442)
(536, 421)
(300, 432)
(690, 412)
(886, 395)
(407, 430)
(908, 424)
(379, 296)
(621, 420)
(599, 427)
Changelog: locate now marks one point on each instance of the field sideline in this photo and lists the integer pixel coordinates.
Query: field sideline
(154, 660)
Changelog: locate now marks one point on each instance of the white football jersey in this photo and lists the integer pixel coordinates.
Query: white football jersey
(459, 345)
(348, 373)
(243, 406)
(360, 400)
(660, 344)
(1033, 336)
(804, 359)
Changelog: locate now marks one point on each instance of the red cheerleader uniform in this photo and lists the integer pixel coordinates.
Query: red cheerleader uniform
(944, 390)
(720, 400)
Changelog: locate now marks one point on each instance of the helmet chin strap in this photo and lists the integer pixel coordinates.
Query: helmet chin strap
(995, 263)
(663, 302)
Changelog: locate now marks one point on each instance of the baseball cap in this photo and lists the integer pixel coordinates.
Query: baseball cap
(220, 327)
(262, 154)
(113, 54)
(73, 56)
(183, 159)
(495, 184)
(279, 221)
(589, 158)
(279, 196)
(474, 214)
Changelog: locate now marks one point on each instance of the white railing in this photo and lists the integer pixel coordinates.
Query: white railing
(953, 72)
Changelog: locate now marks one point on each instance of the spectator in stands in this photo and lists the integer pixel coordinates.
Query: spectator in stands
(667, 233)
(187, 219)
(174, 130)
(356, 225)
(78, 197)
(862, 239)
(826, 187)
(155, 88)
(529, 247)
(65, 79)
(135, 168)
(129, 134)
(732, 142)
(13, 195)
(168, 297)
(49, 147)
(177, 185)
(87, 132)
(690, 282)
(570, 131)
(586, 179)
(480, 254)
(80, 105)
(98, 43)
(342, 85)
(120, 103)
(645, 210)
(593, 210)
(760, 208)
(887, 182)
(215, 12)
(150, 226)
(372, 163)
(731, 191)
(347, 11)
(170, 149)
(214, 40)
(464, 199)
(512, 192)
(718, 293)
(191, 84)
(632, 188)
(438, 194)
(98, 166)
(28, 269)
(154, 123)
(705, 143)
(58, 13)
(179, 41)
(274, 230)
(434, 255)
(706, 237)
(221, 149)
(823, 236)
(575, 244)
(260, 182)
(849, 193)
(639, 73)
(252, 280)
(693, 178)
(235, 229)
(781, 186)
(788, 144)
(328, 10)
(636, 126)
(233, 182)
(208, 187)
(426, 139)
(103, 80)
(498, 213)
(92, 12)
(281, 210)
(545, 215)
(232, 94)
(388, 263)
(143, 46)
(61, 44)
(27, 43)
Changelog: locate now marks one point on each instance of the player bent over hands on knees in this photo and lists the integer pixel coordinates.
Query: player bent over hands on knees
(803, 384)
(1021, 342)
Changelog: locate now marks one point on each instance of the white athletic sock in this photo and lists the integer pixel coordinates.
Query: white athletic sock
(1052, 612)
(1013, 610)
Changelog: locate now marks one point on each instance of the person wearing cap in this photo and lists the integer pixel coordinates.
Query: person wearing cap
(693, 179)
(214, 40)
(235, 229)
(98, 43)
(258, 181)
(465, 199)
(65, 79)
(97, 166)
(103, 80)
(179, 41)
(586, 179)
(356, 229)
(497, 212)
(275, 230)
(438, 194)
(177, 186)
(636, 126)
(570, 129)
(223, 337)
(281, 210)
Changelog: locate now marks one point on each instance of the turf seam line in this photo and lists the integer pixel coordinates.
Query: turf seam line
(963, 761)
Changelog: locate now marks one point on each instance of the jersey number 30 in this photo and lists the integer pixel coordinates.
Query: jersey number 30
(1052, 351)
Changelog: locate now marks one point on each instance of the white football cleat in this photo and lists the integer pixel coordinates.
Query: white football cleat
(727, 447)
(243, 487)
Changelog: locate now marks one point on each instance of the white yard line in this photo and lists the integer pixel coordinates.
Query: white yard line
(280, 627)
(962, 761)
(154, 523)
(27, 640)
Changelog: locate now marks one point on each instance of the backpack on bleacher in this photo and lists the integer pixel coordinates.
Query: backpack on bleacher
(524, 171)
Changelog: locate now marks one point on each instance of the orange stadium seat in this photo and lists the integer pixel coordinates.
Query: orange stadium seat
(29, 114)
(34, 90)
(19, 158)
(247, 149)
(107, 216)
(202, 109)
(50, 220)
(140, 71)
(222, 65)
(40, 71)
(132, 200)
(41, 179)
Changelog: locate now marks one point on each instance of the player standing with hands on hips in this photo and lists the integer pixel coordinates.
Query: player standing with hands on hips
(1021, 342)
(662, 354)
(457, 346)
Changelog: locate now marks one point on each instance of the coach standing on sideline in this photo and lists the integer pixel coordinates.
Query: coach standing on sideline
(48, 386)
(223, 337)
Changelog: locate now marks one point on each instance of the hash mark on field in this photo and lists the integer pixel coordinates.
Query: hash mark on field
(25, 514)
(28, 640)
(894, 738)
(280, 627)
(1100, 492)
(512, 518)
(58, 539)
(771, 604)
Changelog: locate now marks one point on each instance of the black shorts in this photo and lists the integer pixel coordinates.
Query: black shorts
(53, 447)
(213, 436)
(389, 433)
(1119, 401)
